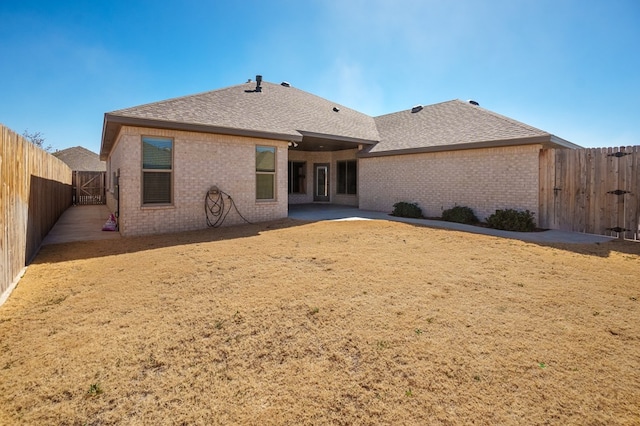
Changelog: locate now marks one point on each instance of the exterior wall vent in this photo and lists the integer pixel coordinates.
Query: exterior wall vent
(416, 108)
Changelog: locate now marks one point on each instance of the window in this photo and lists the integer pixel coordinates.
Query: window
(265, 173)
(347, 177)
(157, 168)
(297, 171)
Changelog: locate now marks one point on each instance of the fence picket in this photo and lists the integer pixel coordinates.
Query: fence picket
(586, 201)
(35, 188)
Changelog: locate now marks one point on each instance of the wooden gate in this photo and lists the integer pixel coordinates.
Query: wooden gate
(89, 188)
(591, 190)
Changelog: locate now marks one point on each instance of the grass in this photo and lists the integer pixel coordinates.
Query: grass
(94, 389)
(333, 322)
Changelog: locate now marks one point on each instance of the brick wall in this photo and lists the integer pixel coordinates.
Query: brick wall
(483, 179)
(199, 161)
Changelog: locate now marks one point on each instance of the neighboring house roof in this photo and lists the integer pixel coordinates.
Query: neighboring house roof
(281, 112)
(454, 125)
(81, 159)
(276, 112)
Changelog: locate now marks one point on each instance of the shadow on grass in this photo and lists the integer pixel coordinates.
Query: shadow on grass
(591, 248)
(79, 250)
(599, 249)
(104, 248)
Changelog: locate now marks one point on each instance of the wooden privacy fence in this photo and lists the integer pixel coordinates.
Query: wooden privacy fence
(89, 188)
(35, 189)
(591, 190)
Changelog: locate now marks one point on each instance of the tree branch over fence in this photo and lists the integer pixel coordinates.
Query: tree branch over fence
(37, 138)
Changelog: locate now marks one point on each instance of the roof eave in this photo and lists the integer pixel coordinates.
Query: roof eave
(338, 138)
(545, 140)
(113, 123)
(562, 143)
(106, 143)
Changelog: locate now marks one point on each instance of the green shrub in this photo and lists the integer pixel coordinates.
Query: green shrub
(460, 214)
(512, 220)
(404, 209)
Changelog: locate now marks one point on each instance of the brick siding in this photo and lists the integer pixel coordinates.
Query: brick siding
(483, 179)
(199, 161)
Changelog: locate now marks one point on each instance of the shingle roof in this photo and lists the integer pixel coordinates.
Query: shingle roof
(81, 159)
(451, 125)
(288, 113)
(283, 112)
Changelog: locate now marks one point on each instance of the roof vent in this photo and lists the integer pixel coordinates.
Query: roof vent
(258, 82)
(472, 102)
(336, 109)
(285, 84)
(416, 108)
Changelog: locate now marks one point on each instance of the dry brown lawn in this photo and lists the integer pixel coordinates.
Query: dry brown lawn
(355, 322)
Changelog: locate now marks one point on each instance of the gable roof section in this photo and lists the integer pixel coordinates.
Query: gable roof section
(453, 125)
(81, 159)
(275, 112)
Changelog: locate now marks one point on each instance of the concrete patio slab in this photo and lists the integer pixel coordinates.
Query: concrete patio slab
(81, 223)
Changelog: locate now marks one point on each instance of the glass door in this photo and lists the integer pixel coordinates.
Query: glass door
(321, 182)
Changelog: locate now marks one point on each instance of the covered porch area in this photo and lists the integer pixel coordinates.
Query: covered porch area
(323, 169)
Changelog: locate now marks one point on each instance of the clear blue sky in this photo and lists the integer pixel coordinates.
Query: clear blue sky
(569, 67)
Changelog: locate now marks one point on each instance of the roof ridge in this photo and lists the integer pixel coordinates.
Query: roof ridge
(423, 105)
(292, 87)
(504, 118)
(76, 148)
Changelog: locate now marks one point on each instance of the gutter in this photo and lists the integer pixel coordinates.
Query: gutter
(549, 141)
(564, 143)
(337, 138)
(113, 123)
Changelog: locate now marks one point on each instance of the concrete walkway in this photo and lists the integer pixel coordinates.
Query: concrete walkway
(316, 212)
(84, 223)
(81, 223)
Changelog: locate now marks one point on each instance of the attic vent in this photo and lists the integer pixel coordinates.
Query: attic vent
(336, 109)
(258, 83)
(472, 102)
(416, 108)
(285, 84)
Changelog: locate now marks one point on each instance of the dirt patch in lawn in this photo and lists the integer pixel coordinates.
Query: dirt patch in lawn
(353, 322)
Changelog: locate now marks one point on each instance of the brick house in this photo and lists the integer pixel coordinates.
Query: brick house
(81, 159)
(271, 145)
